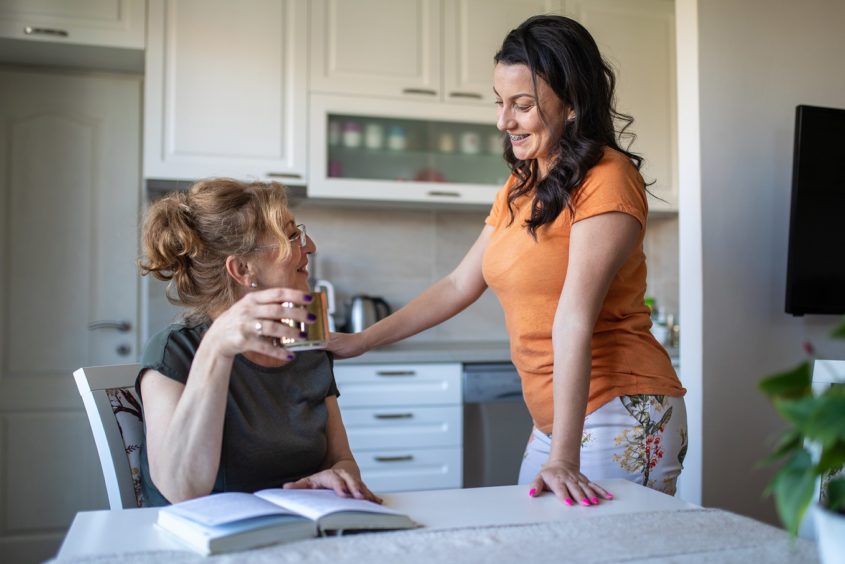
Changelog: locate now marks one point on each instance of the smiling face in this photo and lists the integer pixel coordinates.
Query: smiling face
(291, 271)
(533, 120)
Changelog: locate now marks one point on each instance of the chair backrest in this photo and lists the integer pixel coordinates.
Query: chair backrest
(114, 412)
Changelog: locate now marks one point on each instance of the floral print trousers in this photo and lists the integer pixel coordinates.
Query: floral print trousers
(638, 438)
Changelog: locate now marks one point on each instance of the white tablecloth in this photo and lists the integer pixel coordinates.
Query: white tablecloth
(688, 536)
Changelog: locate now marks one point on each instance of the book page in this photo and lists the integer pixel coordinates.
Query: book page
(317, 503)
(218, 509)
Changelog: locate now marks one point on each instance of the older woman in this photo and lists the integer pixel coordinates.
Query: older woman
(226, 407)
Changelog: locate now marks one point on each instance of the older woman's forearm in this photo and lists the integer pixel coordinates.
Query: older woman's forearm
(184, 463)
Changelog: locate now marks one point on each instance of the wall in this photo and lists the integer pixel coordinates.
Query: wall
(396, 253)
(758, 59)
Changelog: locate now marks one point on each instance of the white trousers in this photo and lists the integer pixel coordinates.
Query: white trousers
(638, 438)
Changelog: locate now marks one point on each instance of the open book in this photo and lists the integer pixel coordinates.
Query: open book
(235, 521)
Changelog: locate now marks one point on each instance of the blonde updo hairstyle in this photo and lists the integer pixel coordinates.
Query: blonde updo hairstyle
(188, 236)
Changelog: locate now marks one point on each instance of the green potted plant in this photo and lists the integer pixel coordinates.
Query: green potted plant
(813, 452)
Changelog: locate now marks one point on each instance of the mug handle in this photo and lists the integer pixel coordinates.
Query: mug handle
(329, 289)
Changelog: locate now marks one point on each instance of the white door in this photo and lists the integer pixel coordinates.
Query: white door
(69, 203)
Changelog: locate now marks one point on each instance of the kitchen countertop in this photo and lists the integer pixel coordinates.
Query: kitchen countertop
(438, 351)
(447, 351)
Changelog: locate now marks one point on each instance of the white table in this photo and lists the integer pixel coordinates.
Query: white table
(478, 525)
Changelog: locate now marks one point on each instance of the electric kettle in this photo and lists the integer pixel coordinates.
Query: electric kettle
(364, 311)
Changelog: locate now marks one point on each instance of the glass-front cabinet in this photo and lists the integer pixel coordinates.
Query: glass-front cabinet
(389, 150)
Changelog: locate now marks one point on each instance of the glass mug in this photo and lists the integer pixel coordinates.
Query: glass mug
(317, 333)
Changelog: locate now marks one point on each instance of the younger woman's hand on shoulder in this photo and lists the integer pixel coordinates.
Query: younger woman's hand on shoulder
(257, 323)
(346, 345)
(343, 482)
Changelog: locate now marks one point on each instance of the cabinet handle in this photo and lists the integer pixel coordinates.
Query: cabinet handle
(425, 91)
(29, 30)
(444, 193)
(405, 458)
(396, 373)
(473, 95)
(122, 326)
(393, 415)
(283, 175)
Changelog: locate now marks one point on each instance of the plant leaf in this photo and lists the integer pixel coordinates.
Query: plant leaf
(836, 494)
(793, 487)
(797, 411)
(832, 458)
(793, 383)
(839, 332)
(826, 421)
(787, 443)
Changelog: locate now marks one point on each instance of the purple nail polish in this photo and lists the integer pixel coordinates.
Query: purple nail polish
(312, 317)
(303, 334)
(290, 356)
(308, 298)
(568, 502)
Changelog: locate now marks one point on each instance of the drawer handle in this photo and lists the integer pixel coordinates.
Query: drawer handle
(283, 175)
(473, 95)
(29, 30)
(405, 458)
(396, 373)
(425, 91)
(393, 415)
(444, 193)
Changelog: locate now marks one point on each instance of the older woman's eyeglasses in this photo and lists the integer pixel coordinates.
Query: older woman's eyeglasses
(300, 237)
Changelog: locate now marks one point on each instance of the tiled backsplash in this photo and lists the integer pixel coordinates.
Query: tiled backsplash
(397, 253)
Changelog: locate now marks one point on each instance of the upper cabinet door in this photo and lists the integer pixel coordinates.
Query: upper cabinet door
(638, 38)
(108, 23)
(225, 89)
(473, 32)
(376, 47)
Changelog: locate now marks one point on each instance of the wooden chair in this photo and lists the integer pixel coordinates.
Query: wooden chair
(114, 412)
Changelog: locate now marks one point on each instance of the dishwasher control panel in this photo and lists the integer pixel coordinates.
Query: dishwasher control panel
(491, 381)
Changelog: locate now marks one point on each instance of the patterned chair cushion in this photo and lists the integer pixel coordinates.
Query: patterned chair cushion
(130, 421)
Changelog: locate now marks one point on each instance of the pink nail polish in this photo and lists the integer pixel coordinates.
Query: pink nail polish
(609, 495)
(585, 502)
(595, 501)
(532, 492)
(568, 502)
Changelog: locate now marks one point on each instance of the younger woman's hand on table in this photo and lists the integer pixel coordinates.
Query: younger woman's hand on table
(343, 482)
(567, 482)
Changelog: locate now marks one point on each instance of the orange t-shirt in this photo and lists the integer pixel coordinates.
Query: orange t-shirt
(528, 277)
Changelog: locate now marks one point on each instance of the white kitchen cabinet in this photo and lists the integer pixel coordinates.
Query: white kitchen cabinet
(225, 89)
(638, 39)
(404, 423)
(365, 148)
(413, 49)
(104, 23)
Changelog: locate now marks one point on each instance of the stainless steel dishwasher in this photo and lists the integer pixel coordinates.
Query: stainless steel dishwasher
(496, 424)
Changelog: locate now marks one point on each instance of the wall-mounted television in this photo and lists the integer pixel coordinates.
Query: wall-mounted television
(815, 273)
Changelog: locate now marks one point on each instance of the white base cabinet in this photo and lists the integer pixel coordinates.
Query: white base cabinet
(405, 423)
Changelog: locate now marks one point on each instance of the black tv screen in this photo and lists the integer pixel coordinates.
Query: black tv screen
(815, 278)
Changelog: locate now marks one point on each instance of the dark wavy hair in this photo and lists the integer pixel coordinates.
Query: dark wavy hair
(564, 54)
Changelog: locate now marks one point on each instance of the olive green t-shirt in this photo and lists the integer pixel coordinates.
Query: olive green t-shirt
(275, 424)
